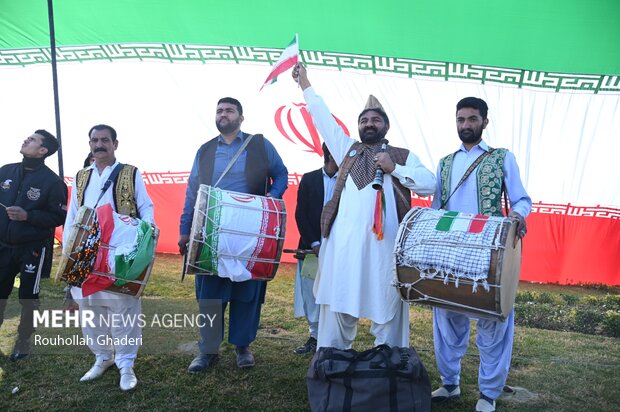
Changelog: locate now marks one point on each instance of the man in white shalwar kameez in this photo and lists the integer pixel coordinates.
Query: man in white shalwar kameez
(107, 341)
(356, 264)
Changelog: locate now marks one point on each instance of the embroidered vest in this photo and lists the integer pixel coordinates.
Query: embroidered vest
(490, 179)
(124, 189)
(402, 195)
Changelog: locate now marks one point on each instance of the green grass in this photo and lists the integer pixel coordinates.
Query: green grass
(566, 371)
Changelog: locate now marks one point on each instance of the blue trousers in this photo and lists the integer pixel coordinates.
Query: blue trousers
(494, 341)
(244, 300)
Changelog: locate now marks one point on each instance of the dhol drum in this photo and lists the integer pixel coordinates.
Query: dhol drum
(104, 243)
(236, 235)
(457, 261)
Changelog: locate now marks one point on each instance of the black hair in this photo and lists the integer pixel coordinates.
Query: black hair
(474, 103)
(231, 100)
(89, 159)
(326, 152)
(103, 127)
(378, 110)
(49, 141)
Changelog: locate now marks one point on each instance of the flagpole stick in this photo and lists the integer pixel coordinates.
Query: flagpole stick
(298, 58)
(4, 206)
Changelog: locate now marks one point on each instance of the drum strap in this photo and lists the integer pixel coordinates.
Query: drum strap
(234, 158)
(467, 173)
(108, 182)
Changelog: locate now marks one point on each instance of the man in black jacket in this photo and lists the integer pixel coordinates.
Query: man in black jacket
(33, 201)
(315, 189)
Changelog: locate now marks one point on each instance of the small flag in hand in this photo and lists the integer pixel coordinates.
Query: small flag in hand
(288, 59)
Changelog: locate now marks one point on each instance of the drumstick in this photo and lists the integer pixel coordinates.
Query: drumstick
(300, 251)
(4, 206)
(183, 269)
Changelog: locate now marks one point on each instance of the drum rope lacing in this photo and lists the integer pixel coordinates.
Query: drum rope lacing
(209, 233)
(460, 261)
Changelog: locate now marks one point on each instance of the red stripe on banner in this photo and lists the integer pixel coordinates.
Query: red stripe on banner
(477, 223)
(269, 249)
(571, 249)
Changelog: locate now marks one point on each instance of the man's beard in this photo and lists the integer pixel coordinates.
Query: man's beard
(231, 126)
(371, 135)
(470, 136)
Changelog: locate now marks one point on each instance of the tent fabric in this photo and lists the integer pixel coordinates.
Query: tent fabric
(156, 72)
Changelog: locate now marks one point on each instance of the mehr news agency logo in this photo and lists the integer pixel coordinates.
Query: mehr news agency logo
(60, 318)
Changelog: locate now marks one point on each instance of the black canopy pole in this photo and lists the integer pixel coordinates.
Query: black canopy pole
(50, 13)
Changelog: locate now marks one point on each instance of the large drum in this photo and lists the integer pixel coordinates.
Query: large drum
(123, 251)
(463, 262)
(236, 235)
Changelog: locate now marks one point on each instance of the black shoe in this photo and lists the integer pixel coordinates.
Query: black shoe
(308, 347)
(21, 350)
(245, 359)
(202, 362)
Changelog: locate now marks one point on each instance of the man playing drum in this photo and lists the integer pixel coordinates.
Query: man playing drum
(257, 170)
(315, 189)
(128, 196)
(356, 264)
(33, 200)
(479, 193)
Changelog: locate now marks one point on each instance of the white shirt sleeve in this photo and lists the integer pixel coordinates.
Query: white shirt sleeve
(143, 201)
(71, 212)
(414, 176)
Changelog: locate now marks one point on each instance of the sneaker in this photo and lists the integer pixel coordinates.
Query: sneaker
(97, 370)
(443, 394)
(308, 347)
(484, 405)
(202, 362)
(128, 379)
(245, 358)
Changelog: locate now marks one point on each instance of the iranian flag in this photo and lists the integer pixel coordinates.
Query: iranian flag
(129, 253)
(463, 222)
(288, 59)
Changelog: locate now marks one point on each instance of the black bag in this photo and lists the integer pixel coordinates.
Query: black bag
(374, 380)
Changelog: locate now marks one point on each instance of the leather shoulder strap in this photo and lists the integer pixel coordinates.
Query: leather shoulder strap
(467, 173)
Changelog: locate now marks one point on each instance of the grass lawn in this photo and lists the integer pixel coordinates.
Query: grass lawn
(563, 371)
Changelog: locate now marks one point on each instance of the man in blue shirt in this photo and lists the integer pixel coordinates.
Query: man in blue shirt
(479, 193)
(258, 170)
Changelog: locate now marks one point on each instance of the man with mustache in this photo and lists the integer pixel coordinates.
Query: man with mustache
(479, 193)
(128, 196)
(258, 170)
(33, 201)
(356, 263)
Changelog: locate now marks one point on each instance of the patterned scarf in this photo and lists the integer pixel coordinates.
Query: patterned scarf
(363, 170)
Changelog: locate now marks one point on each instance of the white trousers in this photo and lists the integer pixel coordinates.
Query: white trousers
(120, 336)
(304, 302)
(338, 330)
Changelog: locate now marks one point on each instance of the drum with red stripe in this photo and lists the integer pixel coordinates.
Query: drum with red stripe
(236, 235)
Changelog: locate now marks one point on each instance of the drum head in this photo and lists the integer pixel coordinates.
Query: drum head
(195, 238)
(511, 270)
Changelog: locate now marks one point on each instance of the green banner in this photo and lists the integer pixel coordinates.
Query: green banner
(566, 36)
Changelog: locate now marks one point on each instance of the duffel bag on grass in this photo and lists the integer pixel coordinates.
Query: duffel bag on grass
(379, 379)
